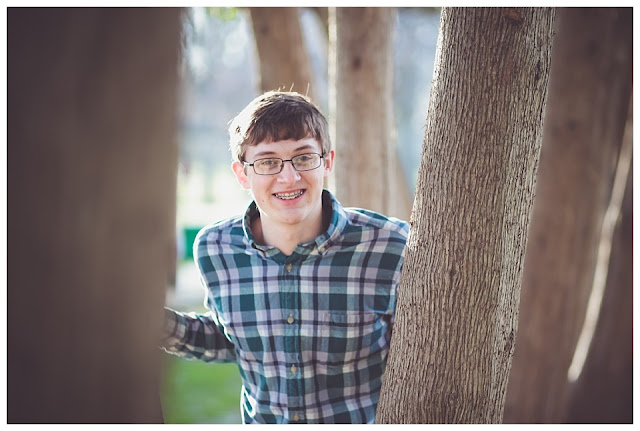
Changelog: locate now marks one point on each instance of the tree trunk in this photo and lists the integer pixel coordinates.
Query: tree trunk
(456, 315)
(588, 101)
(323, 16)
(603, 392)
(284, 63)
(91, 210)
(365, 169)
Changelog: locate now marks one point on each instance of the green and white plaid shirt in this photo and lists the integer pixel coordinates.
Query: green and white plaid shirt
(310, 332)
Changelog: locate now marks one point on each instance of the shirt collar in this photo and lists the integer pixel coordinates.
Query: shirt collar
(336, 225)
(322, 242)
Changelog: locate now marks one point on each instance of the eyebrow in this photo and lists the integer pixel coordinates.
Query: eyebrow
(272, 153)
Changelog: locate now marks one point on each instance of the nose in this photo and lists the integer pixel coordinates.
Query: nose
(288, 175)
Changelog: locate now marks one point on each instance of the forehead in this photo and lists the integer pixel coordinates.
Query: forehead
(283, 149)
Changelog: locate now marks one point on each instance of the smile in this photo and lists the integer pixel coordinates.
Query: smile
(289, 196)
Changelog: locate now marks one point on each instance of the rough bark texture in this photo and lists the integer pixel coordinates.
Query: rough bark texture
(91, 210)
(603, 392)
(458, 300)
(284, 63)
(589, 92)
(365, 169)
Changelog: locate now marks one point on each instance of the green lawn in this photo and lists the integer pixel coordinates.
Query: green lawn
(197, 392)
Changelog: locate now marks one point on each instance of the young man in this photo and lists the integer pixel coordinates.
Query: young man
(301, 291)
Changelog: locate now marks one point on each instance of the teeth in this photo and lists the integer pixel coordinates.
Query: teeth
(289, 195)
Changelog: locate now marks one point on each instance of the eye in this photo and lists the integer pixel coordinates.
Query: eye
(304, 158)
(268, 163)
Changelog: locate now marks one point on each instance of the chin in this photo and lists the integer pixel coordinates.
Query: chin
(291, 219)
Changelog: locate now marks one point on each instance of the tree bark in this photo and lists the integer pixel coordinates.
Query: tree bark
(603, 392)
(91, 210)
(456, 315)
(588, 100)
(284, 62)
(366, 166)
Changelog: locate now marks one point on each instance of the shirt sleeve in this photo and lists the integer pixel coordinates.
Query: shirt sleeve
(196, 336)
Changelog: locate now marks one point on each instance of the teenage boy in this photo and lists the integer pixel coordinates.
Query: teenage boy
(301, 291)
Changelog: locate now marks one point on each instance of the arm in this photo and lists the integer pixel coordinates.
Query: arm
(196, 336)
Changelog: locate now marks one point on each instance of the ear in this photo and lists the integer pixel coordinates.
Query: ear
(241, 176)
(328, 162)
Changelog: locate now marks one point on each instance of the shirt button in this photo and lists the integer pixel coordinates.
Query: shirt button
(294, 369)
(288, 267)
(290, 319)
(296, 418)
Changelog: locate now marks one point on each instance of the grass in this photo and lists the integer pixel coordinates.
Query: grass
(197, 392)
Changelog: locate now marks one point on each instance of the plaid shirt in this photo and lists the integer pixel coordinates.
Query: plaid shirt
(310, 332)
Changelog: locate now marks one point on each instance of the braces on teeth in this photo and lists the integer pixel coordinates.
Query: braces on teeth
(289, 195)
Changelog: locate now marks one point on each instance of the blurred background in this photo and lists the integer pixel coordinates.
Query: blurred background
(219, 75)
(117, 155)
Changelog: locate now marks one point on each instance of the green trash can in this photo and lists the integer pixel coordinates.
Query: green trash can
(189, 235)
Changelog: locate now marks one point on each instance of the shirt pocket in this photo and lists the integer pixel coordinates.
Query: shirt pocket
(351, 337)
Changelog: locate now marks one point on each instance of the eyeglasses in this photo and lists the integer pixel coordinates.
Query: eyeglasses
(274, 165)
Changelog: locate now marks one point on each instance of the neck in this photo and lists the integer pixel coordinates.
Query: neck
(285, 237)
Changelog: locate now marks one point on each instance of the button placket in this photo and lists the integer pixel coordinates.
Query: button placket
(289, 293)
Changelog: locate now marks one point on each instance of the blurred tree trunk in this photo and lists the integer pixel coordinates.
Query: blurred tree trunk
(457, 308)
(284, 62)
(603, 392)
(323, 16)
(91, 210)
(366, 171)
(588, 101)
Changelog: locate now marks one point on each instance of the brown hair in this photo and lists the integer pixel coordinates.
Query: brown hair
(276, 116)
